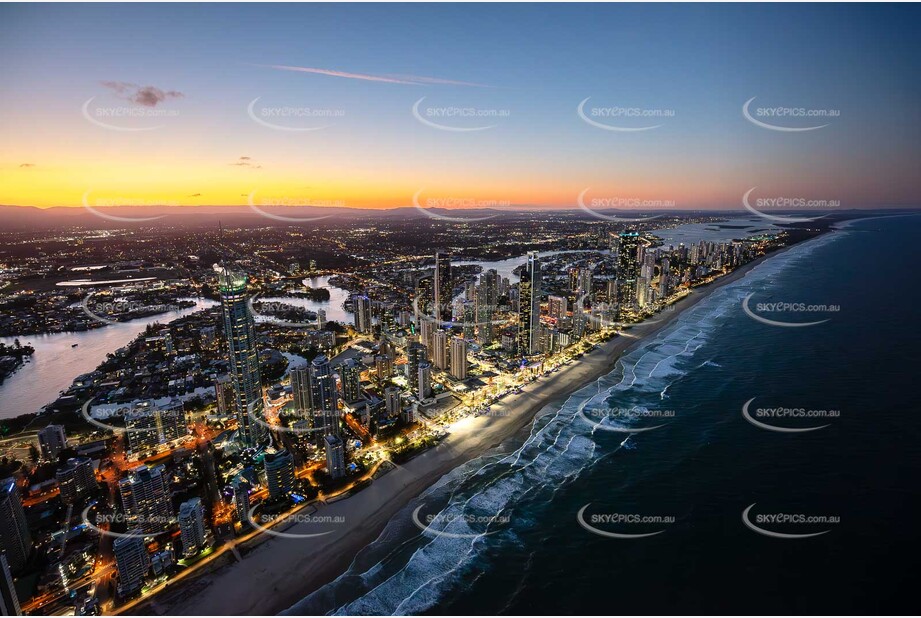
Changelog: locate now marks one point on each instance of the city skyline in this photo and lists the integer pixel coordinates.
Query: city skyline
(71, 125)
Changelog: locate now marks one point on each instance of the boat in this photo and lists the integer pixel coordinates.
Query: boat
(73, 345)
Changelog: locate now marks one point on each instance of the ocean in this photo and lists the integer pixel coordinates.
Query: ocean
(651, 491)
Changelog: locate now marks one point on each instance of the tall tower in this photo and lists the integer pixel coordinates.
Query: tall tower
(442, 285)
(459, 358)
(15, 539)
(350, 376)
(132, 562)
(9, 601)
(324, 398)
(279, 473)
(240, 330)
(361, 305)
(192, 526)
(146, 499)
(529, 307)
(628, 269)
(440, 349)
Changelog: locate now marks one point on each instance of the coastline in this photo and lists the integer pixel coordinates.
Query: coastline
(278, 572)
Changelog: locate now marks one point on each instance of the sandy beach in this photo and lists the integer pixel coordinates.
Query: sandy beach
(279, 571)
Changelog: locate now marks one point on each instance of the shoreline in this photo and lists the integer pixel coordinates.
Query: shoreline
(277, 573)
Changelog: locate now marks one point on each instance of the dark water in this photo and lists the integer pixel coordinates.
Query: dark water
(703, 467)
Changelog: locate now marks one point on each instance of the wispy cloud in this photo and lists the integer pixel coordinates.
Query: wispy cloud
(407, 80)
(246, 162)
(26, 165)
(148, 96)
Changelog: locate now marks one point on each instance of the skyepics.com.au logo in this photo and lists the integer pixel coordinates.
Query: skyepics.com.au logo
(298, 421)
(623, 119)
(293, 118)
(134, 419)
(93, 206)
(292, 203)
(285, 525)
(788, 203)
(636, 419)
(455, 523)
(766, 418)
(430, 205)
(788, 119)
(114, 310)
(457, 118)
(780, 308)
(276, 311)
(137, 526)
(617, 525)
(141, 112)
(601, 207)
(785, 525)
(483, 315)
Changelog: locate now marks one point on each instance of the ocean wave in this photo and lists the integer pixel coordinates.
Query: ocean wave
(509, 490)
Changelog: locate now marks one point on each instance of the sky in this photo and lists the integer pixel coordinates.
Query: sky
(458, 105)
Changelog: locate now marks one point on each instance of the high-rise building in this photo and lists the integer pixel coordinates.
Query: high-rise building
(459, 358)
(529, 306)
(440, 349)
(131, 561)
(300, 389)
(628, 267)
(192, 526)
(241, 490)
(469, 312)
(279, 473)
(350, 376)
(223, 395)
(443, 289)
(9, 600)
(321, 319)
(579, 319)
(361, 305)
(426, 331)
(557, 307)
(324, 398)
(245, 373)
(146, 499)
(665, 279)
(335, 457)
(416, 353)
(15, 539)
(52, 441)
(76, 479)
(392, 401)
(383, 368)
(424, 380)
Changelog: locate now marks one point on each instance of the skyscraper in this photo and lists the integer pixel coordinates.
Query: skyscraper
(557, 307)
(131, 561)
(192, 526)
(279, 473)
(15, 539)
(324, 398)
(529, 306)
(424, 389)
(52, 441)
(416, 353)
(628, 268)
(9, 601)
(392, 401)
(350, 376)
(442, 283)
(361, 305)
(440, 349)
(224, 395)
(152, 427)
(335, 457)
(146, 499)
(76, 479)
(300, 389)
(459, 358)
(241, 499)
(240, 331)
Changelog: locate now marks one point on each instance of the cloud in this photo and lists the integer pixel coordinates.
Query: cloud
(26, 165)
(408, 80)
(195, 195)
(148, 96)
(246, 162)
